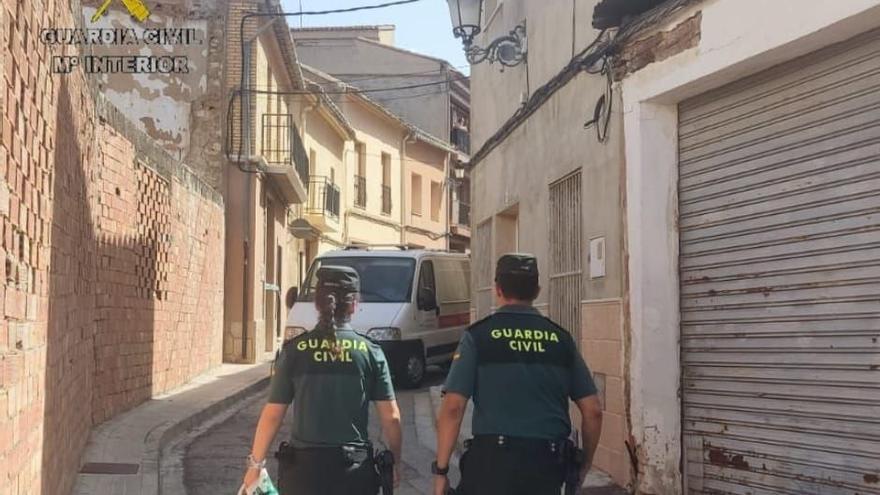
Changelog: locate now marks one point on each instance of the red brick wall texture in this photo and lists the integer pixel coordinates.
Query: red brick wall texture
(111, 256)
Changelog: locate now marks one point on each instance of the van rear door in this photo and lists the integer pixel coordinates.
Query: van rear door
(452, 275)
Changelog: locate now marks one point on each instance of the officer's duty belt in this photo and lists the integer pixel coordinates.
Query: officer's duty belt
(497, 441)
(349, 454)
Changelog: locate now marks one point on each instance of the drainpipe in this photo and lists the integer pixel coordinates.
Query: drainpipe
(343, 204)
(304, 115)
(408, 137)
(245, 304)
(449, 184)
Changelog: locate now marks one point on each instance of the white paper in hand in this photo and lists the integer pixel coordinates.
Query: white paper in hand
(263, 486)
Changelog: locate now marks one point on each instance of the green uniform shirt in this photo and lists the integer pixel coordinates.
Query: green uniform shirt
(521, 369)
(330, 394)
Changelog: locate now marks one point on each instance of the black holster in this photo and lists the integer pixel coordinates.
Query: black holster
(573, 459)
(385, 469)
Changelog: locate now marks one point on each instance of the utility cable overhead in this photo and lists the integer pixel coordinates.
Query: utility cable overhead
(250, 15)
(353, 90)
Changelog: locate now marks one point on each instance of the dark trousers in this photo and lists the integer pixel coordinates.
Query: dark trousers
(516, 467)
(327, 471)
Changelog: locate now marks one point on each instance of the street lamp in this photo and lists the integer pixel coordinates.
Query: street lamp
(508, 50)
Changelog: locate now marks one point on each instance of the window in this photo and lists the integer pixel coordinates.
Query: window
(386, 169)
(386, 184)
(426, 282)
(383, 280)
(361, 150)
(360, 178)
(566, 221)
(332, 175)
(416, 194)
(313, 161)
(436, 201)
(453, 279)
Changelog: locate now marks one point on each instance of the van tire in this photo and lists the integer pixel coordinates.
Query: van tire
(412, 370)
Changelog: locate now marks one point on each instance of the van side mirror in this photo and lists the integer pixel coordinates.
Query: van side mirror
(291, 296)
(427, 299)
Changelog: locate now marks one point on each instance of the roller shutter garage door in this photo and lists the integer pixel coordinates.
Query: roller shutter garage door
(779, 196)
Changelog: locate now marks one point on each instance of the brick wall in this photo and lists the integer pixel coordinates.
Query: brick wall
(112, 291)
(638, 54)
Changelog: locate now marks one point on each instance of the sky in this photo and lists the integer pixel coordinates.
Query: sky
(422, 27)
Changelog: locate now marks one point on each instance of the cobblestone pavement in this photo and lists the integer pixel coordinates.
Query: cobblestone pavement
(213, 464)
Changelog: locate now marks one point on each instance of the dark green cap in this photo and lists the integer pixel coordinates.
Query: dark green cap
(339, 278)
(517, 264)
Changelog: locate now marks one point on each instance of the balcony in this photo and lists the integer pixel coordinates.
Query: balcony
(286, 160)
(461, 139)
(360, 191)
(322, 209)
(464, 214)
(386, 200)
(461, 219)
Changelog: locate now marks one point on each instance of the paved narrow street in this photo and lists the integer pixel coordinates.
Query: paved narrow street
(213, 462)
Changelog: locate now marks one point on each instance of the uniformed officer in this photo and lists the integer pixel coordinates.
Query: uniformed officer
(333, 374)
(520, 369)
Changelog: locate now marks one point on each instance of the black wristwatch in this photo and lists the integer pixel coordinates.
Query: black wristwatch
(435, 469)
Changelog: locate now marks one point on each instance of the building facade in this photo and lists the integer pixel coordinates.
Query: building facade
(390, 177)
(698, 179)
(548, 186)
(366, 57)
(112, 291)
(751, 160)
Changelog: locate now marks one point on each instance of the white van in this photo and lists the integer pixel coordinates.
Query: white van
(415, 303)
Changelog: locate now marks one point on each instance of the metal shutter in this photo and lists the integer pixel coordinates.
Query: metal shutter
(779, 199)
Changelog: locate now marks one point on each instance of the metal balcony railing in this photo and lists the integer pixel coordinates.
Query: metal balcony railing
(282, 144)
(461, 139)
(360, 191)
(323, 197)
(386, 200)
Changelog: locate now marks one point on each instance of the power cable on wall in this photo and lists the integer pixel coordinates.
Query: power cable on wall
(583, 61)
(600, 49)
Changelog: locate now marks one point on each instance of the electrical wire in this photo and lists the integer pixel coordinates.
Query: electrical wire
(250, 15)
(304, 97)
(404, 74)
(353, 90)
(585, 59)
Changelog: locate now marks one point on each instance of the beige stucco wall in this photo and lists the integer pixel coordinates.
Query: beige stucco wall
(511, 190)
(252, 208)
(379, 134)
(429, 163)
(327, 149)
